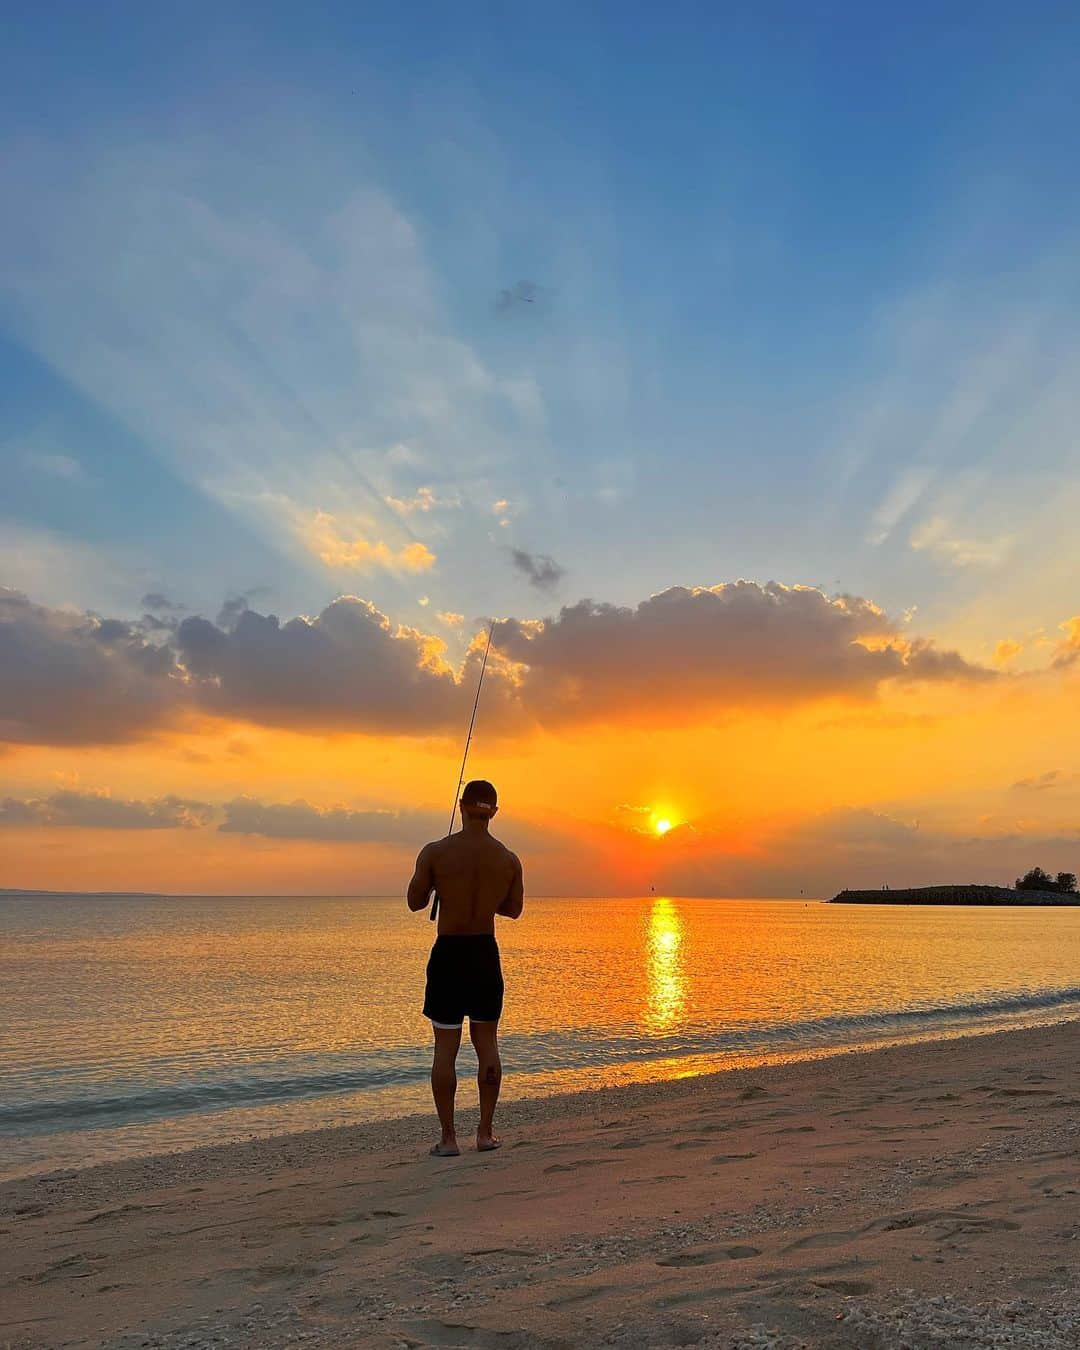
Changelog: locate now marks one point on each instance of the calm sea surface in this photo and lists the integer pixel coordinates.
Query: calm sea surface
(146, 1025)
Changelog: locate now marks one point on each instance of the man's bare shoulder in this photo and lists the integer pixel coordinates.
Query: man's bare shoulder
(507, 853)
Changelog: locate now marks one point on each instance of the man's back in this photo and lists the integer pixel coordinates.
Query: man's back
(473, 875)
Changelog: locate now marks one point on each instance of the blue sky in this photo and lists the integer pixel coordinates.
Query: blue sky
(805, 309)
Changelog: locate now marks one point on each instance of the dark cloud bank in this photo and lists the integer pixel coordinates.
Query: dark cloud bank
(70, 809)
(683, 655)
(99, 811)
(333, 824)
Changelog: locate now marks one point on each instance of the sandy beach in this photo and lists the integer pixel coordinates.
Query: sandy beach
(925, 1194)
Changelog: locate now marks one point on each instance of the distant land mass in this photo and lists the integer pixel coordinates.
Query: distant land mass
(954, 895)
(23, 893)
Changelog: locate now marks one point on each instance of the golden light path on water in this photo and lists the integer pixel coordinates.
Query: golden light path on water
(667, 979)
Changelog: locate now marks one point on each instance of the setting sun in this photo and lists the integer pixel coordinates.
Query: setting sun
(662, 826)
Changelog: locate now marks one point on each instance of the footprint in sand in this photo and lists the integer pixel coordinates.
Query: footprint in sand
(822, 1239)
(797, 1129)
(112, 1214)
(845, 1287)
(434, 1332)
(731, 1157)
(651, 1181)
(269, 1276)
(709, 1295)
(577, 1296)
(501, 1251)
(709, 1256)
(576, 1166)
(78, 1266)
(949, 1221)
(1051, 1179)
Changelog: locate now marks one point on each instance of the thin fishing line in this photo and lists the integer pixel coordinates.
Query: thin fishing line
(465, 756)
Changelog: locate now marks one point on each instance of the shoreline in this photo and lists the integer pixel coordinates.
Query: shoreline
(679, 1069)
(766, 1195)
(376, 1127)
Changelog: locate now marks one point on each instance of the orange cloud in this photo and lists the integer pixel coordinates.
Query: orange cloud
(424, 501)
(1006, 650)
(1068, 648)
(327, 540)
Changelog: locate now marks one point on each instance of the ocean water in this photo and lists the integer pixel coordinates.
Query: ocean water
(153, 1024)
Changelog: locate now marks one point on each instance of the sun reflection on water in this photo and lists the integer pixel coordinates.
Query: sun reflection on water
(667, 978)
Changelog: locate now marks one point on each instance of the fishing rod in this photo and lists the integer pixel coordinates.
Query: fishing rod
(465, 757)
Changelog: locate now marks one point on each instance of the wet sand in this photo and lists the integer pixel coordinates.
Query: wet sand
(921, 1195)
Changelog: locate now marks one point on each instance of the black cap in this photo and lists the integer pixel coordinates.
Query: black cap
(480, 794)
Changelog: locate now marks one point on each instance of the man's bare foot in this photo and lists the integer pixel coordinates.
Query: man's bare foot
(487, 1143)
(445, 1148)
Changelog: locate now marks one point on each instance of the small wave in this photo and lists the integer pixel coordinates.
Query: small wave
(229, 1092)
(541, 1053)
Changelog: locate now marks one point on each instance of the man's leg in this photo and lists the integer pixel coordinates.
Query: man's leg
(444, 1086)
(485, 1037)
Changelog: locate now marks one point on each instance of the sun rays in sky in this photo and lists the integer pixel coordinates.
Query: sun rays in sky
(752, 422)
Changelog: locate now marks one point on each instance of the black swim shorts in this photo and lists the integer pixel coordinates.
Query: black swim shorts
(464, 979)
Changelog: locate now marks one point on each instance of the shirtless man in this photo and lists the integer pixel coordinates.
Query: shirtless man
(474, 877)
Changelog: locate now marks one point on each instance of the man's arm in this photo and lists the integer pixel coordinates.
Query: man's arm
(423, 881)
(514, 902)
